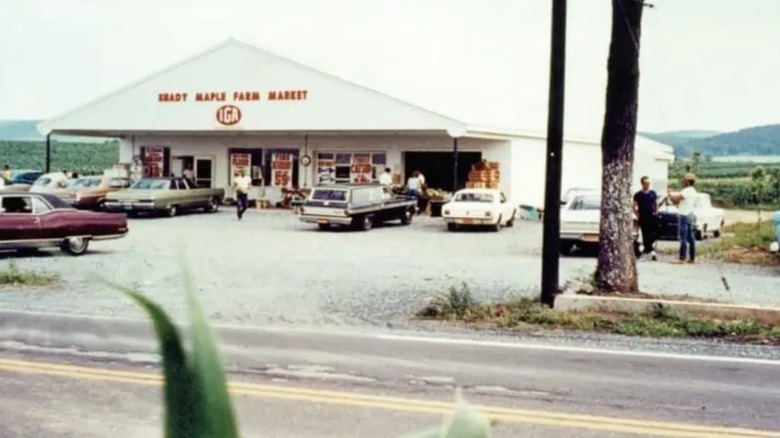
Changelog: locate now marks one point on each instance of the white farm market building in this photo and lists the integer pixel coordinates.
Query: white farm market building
(293, 126)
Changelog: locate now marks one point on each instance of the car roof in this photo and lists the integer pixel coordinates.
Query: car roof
(55, 201)
(478, 190)
(347, 186)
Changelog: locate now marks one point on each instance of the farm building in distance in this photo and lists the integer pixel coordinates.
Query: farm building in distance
(236, 105)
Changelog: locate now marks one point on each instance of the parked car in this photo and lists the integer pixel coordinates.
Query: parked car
(479, 207)
(581, 223)
(708, 219)
(167, 195)
(55, 182)
(360, 206)
(90, 192)
(775, 246)
(39, 220)
(575, 191)
(22, 180)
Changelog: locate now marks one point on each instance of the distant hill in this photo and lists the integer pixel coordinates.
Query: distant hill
(759, 140)
(25, 130)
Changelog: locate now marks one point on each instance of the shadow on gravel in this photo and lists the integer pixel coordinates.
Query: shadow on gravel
(47, 254)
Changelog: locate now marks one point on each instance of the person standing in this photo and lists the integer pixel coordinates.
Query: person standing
(413, 185)
(6, 174)
(386, 178)
(241, 184)
(188, 174)
(685, 200)
(646, 210)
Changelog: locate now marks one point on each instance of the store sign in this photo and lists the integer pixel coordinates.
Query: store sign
(326, 171)
(239, 162)
(281, 170)
(228, 115)
(360, 170)
(231, 96)
(153, 161)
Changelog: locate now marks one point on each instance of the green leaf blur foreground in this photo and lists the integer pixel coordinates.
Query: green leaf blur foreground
(195, 395)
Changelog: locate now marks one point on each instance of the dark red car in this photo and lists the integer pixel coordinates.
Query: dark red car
(39, 220)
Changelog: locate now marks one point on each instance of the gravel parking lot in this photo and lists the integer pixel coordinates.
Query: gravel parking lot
(271, 269)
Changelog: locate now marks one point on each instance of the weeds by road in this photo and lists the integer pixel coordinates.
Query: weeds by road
(741, 243)
(11, 276)
(527, 314)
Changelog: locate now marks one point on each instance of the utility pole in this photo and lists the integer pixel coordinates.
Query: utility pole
(552, 190)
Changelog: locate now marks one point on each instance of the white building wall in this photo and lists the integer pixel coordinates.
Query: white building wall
(581, 169)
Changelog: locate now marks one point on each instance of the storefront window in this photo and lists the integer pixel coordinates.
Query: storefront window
(349, 167)
(281, 168)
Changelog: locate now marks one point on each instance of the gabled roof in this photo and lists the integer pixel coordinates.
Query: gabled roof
(331, 103)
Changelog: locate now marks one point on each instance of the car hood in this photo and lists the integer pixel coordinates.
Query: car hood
(132, 195)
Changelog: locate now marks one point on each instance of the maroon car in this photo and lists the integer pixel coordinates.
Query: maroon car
(39, 220)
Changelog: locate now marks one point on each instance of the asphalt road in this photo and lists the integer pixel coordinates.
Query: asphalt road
(381, 384)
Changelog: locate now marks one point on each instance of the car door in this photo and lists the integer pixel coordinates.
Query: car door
(55, 224)
(17, 221)
(506, 207)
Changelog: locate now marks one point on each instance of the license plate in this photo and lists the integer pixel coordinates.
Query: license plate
(468, 221)
(322, 221)
(590, 238)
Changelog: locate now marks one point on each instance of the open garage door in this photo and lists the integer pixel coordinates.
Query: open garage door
(437, 167)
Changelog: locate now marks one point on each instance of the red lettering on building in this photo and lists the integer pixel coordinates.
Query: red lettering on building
(236, 96)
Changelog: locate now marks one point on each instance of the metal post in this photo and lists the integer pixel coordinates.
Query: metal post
(454, 164)
(552, 195)
(48, 153)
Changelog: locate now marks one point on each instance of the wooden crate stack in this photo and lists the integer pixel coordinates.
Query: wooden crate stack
(484, 175)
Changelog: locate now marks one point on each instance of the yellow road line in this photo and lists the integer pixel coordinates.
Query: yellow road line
(547, 418)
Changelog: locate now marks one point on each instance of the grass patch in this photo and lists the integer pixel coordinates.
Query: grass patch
(13, 276)
(741, 243)
(657, 321)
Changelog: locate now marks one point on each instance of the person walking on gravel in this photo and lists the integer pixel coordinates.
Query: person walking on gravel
(646, 210)
(685, 200)
(241, 184)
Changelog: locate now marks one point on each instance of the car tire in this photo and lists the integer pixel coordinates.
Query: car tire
(366, 222)
(566, 248)
(172, 211)
(700, 234)
(213, 206)
(511, 222)
(75, 246)
(716, 233)
(406, 219)
(497, 227)
(324, 227)
(452, 227)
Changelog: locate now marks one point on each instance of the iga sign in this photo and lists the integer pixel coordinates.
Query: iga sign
(228, 115)
(281, 170)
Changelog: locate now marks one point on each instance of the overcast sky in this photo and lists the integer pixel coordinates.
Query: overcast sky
(706, 64)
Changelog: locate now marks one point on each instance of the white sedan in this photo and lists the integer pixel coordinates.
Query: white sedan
(708, 219)
(479, 207)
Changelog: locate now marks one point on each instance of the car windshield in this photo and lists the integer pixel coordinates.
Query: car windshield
(474, 197)
(84, 183)
(151, 184)
(586, 202)
(42, 182)
(329, 195)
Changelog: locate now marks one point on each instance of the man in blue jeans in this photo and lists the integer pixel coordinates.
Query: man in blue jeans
(685, 200)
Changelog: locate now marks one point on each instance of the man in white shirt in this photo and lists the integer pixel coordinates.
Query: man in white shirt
(685, 201)
(241, 184)
(386, 178)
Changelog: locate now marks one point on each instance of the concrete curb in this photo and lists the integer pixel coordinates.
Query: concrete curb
(575, 302)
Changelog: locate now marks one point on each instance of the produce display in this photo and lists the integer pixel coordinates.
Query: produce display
(484, 175)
